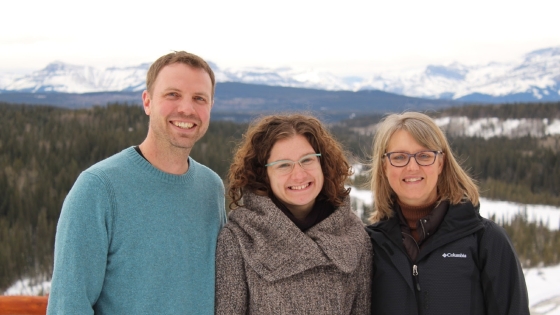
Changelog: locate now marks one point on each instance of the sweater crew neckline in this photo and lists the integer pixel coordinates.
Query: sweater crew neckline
(156, 173)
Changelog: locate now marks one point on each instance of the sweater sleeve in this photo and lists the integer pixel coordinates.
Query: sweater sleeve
(503, 281)
(231, 282)
(362, 301)
(81, 247)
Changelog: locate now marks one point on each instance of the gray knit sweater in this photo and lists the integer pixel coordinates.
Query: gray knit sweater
(266, 265)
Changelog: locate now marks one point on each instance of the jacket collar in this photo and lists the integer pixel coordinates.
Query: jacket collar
(459, 220)
(427, 226)
(276, 248)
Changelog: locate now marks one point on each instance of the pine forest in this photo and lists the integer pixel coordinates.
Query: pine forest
(43, 149)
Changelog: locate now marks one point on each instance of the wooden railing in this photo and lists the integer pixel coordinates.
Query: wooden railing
(23, 305)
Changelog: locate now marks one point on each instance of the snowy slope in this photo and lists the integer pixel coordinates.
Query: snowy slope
(495, 127)
(488, 127)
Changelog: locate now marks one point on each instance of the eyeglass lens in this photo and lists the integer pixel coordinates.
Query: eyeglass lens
(286, 166)
(423, 158)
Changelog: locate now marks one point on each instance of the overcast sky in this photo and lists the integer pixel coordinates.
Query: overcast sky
(347, 37)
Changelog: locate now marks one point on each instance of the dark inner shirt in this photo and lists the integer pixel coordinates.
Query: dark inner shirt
(137, 148)
(320, 211)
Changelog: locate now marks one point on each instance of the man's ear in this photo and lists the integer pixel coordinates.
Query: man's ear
(146, 102)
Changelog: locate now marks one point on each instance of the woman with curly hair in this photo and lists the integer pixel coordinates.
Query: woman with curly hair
(292, 244)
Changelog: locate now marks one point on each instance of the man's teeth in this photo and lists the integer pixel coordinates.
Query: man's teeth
(413, 179)
(183, 125)
(299, 187)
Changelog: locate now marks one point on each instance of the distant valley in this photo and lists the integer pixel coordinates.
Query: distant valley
(241, 102)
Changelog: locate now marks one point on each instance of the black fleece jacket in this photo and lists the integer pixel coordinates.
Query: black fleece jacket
(468, 266)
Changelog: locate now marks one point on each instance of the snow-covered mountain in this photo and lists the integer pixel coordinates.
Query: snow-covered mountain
(535, 77)
(65, 78)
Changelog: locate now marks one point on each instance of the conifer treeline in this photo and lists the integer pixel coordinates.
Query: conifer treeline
(43, 150)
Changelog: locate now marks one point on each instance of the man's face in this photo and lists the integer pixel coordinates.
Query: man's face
(179, 106)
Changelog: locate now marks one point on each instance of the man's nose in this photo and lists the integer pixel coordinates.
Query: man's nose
(186, 106)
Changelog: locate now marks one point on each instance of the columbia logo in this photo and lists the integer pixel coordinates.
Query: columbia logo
(453, 255)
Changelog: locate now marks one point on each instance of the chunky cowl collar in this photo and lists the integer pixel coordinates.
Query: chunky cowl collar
(276, 248)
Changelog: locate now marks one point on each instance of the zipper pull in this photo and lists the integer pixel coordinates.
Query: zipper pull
(415, 274)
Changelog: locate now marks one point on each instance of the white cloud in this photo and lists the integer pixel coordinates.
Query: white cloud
(346, 37)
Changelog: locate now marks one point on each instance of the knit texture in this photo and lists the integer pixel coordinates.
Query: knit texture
(132, 239)
(267, 265)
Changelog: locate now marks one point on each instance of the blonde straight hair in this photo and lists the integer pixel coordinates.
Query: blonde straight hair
(454, 184)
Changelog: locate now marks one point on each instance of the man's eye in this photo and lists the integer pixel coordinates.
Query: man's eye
(200, 98)
(173, 94)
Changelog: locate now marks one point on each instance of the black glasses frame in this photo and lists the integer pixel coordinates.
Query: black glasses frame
(388, 155)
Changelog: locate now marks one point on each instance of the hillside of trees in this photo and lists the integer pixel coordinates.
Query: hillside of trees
(245, 100)
(504, 111)
(43, 150)
(525, 170)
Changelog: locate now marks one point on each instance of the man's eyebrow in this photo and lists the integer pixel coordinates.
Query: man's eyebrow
(171, 89)
(202, 94)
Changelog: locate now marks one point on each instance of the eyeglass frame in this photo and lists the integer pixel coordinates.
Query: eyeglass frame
(293, 163)
(410, 155)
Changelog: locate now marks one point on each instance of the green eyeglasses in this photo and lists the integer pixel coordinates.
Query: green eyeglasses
(307, 162)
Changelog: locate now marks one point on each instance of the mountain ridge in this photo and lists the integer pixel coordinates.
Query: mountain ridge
(534, 77)
(241, 101)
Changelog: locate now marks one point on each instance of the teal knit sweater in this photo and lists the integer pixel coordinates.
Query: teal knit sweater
(132, 239)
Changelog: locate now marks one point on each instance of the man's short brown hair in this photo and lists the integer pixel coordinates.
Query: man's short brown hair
(178, 57)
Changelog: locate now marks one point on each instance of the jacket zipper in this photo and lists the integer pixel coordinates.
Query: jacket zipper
(414, 266)
(423, 229)
(417, 285)
(418, 291)
(415, 274)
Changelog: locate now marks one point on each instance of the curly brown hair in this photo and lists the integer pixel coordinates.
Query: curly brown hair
(247, 172)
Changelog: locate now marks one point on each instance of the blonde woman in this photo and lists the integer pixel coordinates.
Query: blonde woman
(434, 253)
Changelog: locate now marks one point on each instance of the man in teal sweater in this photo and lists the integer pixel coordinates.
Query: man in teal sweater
(137, 232)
